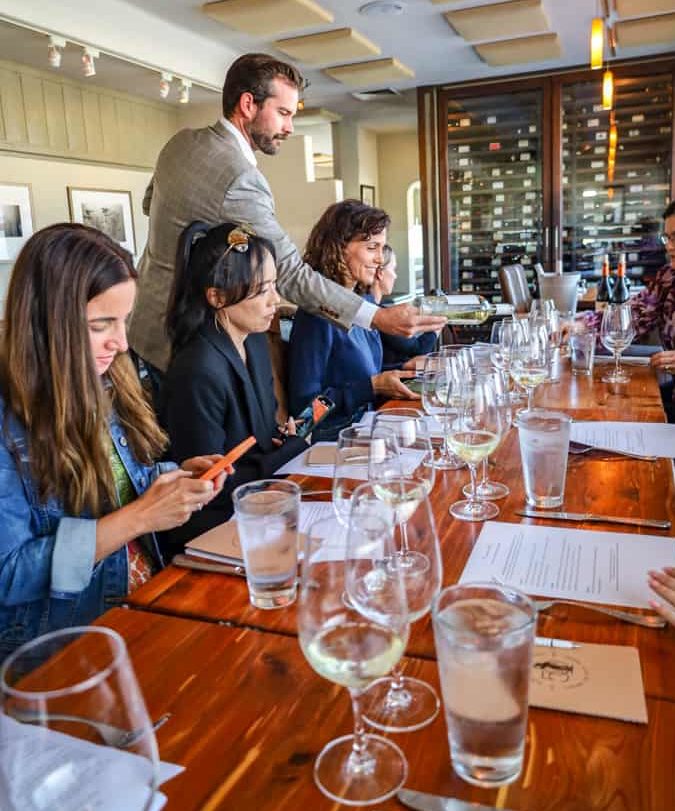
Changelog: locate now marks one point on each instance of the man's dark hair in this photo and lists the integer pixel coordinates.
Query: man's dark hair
(670, 210)
(254, 73)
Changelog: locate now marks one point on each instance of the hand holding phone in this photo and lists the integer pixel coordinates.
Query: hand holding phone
(312, 415)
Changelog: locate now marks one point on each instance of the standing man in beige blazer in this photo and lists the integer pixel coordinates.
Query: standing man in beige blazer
(211, 174)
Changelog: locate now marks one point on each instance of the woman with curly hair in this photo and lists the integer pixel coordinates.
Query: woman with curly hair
(346, 245)
(81, 494)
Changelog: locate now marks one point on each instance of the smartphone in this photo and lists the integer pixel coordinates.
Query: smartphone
(229, 459)
(313, 414)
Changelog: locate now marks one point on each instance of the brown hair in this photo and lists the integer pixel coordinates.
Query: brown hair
(339, 225)
(254, 73)
(48, 374)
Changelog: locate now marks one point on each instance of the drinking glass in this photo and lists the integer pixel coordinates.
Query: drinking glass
(616, 333)
(439, 383)
(414, 446)
(356, 451)
(353, 642)
(473, 438)
(79, 682)
(488, 490)
(530, 361)
(399, 703)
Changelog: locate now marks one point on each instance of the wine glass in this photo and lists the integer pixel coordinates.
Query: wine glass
(354, 642)
(473, 438)
(487, 489)
(616, 333)
(414, 446)
(355, 452)
(400, 703)
(530, 361)
(439, 380)
(79, 682)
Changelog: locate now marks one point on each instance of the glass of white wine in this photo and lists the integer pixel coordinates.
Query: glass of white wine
(354, 642)
(530, 361)
(439, 384)
(356, 451)
(60, 694)
(617, 333)
(474, 437)
(414, 446)
(400, 703)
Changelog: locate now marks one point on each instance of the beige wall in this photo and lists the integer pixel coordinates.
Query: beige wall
(368, 164)
(398, 167)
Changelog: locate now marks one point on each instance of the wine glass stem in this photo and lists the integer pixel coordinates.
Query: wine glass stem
(484, 480)
(617, 363)
(405, 548)
(530, 399)
(360, 744)
(473, 498)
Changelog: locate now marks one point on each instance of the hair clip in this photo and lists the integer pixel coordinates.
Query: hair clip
(238, 239)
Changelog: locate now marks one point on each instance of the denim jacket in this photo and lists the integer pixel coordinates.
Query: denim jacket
(48, 578)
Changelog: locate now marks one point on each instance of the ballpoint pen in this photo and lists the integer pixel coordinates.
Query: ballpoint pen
(548, 642)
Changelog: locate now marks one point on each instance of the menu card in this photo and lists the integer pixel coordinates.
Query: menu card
(600, 680)
(573, 564)
(645, 438)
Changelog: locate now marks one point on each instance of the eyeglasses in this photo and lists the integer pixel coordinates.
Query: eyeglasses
(666, 238)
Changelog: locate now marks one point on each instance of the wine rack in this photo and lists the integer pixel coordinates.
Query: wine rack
(495, 196)
(616, 210)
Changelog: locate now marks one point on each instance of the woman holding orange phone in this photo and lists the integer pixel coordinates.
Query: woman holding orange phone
(218, 389)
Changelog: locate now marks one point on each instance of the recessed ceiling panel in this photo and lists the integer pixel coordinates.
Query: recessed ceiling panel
(640, 8)
(328, 47)
(497, 20)
(519, 51)
(377, 72)
(268, 18)
(648, 30)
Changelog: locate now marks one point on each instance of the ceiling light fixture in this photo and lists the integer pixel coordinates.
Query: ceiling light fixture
(378, 7)
(165, 84)
(607, 90)
(597, 42)
(56, 44)
(88, 56)
(184, 95)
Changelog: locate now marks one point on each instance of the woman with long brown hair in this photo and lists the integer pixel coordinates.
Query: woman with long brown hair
(80, 492)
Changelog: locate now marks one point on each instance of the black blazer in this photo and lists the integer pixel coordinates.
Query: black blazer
(211, 401)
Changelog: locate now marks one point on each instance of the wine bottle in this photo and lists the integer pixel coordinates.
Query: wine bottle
(461, 309)
(604, 289)
(620, 293)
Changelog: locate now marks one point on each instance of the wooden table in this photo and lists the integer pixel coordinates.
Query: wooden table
(250, 684)
(249, 716)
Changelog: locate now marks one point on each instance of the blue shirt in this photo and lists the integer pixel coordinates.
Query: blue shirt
(48, 577)
(324, 359)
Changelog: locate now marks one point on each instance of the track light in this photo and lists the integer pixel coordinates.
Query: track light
(88, 56)
(184, 95)
(607, 90)
(54, 51)
(165, 84)
(597, 42)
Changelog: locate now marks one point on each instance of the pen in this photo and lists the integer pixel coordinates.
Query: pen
(547, 642)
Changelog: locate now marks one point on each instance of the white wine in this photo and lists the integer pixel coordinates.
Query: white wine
(473, 446)
(459, 309)
(404, 499)
(354, 654)
(529, 378)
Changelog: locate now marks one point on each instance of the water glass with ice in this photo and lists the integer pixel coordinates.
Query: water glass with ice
(544, 444)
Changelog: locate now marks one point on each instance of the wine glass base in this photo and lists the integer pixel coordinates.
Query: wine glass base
(488, 491)
(370, 778)
(448, 463)
(413, 706)
(612, 377)
(474, 510)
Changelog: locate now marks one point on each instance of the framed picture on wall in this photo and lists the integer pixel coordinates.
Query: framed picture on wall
(16, 218)
(109, 211)
(368, 195)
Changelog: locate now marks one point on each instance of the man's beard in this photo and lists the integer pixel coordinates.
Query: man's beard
(265, 143)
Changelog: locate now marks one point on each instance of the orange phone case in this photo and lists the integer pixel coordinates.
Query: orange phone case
(229, 458)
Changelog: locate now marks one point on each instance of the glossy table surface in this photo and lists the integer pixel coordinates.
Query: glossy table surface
(572, 762)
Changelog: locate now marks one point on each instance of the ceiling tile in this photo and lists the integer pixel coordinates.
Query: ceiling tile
(641, 8)
(268, 18)
(539, 48)
(328, 47)
(510, 19)
(645, 31)
(377, 72)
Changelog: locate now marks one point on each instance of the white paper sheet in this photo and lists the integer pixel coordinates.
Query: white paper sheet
(41, 769)
(573, 564)
(298, 465)
(646, 438)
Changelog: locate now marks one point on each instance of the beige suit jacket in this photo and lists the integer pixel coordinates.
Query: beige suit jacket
(203, 175)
